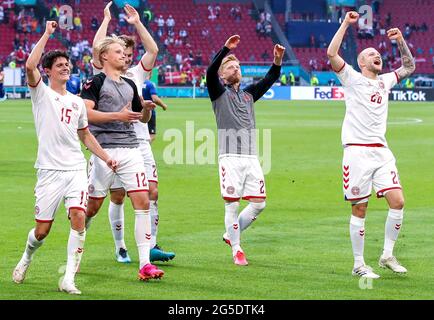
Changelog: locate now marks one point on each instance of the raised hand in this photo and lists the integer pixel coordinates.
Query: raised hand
(232, 42)
(394, 34)
(279, 51)
(50, 27)
(351, 17)
(107, 14)
(132, 15)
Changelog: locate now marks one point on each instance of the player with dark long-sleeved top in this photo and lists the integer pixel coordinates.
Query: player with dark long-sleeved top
(240, 173)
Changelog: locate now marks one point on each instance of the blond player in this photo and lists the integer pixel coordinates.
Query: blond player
(61, 122)
(368, 162)
(240, 173)
(138, 73)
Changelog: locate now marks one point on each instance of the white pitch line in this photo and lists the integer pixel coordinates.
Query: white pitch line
(406, 121)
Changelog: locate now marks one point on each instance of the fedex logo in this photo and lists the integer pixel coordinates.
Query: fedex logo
(329, 93)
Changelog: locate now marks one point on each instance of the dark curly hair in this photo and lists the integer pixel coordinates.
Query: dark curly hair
(51, 56)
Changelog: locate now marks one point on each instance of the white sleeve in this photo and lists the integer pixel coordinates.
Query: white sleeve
(82, 120)
(390, 79)
(38, 92)
(347, 75)
(140, 73)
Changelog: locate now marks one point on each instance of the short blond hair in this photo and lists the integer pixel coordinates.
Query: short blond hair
(227, 59)
(103, 45)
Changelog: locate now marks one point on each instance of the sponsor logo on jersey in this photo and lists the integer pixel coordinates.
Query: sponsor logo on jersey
(37, 210)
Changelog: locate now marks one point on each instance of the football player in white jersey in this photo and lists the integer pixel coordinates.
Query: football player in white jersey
(61, 122)
(368, 162)
(138, 73)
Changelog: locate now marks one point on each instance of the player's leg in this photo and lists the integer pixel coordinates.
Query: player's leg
(77, 236)
(387, 184)
(100, 179)
(49, 194)
(157, 253)
(357, 187)
(255, 193)
(117, 220)
(232, 176)
(75, 204)
(35, 239)
(133, 177)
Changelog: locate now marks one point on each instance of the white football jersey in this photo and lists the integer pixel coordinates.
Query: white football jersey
(57, 119)
(366, 103)
(138, 74)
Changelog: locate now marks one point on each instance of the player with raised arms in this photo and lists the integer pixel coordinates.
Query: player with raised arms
(367, 161)
(61, 122)
(113, 104)
(138, 73)
(241, 174)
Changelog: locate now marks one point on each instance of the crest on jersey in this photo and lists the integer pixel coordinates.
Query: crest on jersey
(91, 188)
(230, 190)
(381, 84)
(37, 210)
(75, 106)
(129, 74)
(355, 191)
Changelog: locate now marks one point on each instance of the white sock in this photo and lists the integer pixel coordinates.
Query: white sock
(142, 232)
(87, 221)
(116, 218)
(153, 209)
(31, 246)
(392, 228)
(75, 251)
(250, 213)
(357, 234)
(232, 225)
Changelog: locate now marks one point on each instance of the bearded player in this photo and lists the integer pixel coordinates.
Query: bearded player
(368, 162)
(241, 174)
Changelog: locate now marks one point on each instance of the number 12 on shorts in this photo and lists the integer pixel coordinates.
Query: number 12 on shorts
(141, 179)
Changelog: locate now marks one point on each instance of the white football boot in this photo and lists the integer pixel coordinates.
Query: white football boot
(20, 270)
(393, 264)
(365, 271)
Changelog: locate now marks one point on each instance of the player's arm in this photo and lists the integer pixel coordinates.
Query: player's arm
(159, 102)
(407, 62)
(95, 116)
(151, 48)
(215, 88)
(92, 144)
(257, 90)
(336, 60)
(101, 34)
(33, 74)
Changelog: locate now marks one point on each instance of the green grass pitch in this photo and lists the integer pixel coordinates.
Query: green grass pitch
(299, 248)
